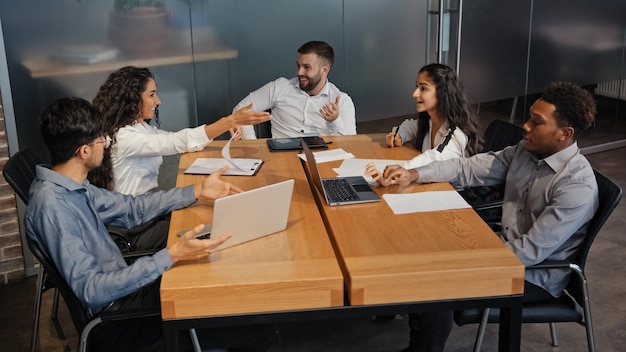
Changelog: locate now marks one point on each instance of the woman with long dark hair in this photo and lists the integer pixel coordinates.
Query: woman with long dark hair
(446, 126)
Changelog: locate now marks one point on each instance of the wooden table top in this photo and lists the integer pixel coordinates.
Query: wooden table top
(293, 269)
(382, 257)
(414, 257)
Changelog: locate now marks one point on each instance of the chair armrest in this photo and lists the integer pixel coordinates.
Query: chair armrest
(125, 314)
(136, 254)
(121, 239)
(488, 205)
(559, 264)
(551, 264)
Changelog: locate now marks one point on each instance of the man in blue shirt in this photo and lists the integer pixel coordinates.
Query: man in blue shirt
(550, 195)
(67, 215)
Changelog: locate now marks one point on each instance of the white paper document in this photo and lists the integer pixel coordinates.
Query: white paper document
(329, 155)
(237, 166)
(356, 167)
(425, 201)
(207, 166)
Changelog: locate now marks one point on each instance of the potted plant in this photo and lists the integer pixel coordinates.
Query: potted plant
(139, 27)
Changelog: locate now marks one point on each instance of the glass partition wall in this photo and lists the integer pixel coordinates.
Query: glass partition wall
(206, 55)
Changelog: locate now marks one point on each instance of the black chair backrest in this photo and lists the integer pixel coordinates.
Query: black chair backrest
(500, 134)
(609, 196)
(263, 129)
(74, 305)
(19, 171)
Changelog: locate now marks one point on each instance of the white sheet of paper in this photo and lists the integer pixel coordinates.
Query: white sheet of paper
(425, 201)
(226, 155)
(207, 166)
(236, 166)
(329, 155)
(356, 167)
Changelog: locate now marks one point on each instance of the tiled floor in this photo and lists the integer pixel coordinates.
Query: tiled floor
(605, 270)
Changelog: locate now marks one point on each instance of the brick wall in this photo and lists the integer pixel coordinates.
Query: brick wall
(11, 255)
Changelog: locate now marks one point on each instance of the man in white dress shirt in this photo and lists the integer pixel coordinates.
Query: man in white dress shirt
(307, 104)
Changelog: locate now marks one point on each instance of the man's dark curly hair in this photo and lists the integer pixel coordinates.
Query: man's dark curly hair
(575, 106)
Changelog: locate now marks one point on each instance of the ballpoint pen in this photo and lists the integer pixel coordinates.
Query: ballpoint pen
(396, 133)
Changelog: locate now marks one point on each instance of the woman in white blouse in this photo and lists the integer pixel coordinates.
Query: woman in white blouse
(128, 101)
(446, 127)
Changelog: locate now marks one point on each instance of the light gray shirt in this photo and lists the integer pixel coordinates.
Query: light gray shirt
(547, 202)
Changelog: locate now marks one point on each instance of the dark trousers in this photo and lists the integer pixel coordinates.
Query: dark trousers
(149, 236)
(430, 331)
(153, 237)
(146, 334)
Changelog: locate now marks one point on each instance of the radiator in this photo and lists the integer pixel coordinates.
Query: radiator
(613, 89)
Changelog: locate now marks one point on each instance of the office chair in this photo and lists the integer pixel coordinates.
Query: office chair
(19, 171)
(263, 129)
(80, 316)
(573, 305)
(487, 200)
(501, 134)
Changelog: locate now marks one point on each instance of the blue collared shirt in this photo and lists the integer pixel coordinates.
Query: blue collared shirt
(68, 219)
(547, 202)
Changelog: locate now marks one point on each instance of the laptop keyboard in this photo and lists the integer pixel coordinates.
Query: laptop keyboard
(339, 190)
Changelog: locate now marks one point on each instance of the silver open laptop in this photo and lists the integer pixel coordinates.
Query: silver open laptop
(251, 214)
(339, 190)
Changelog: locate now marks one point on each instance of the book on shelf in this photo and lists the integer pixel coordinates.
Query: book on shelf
(85, 53)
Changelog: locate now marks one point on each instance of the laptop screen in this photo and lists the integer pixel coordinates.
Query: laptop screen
(310, 160)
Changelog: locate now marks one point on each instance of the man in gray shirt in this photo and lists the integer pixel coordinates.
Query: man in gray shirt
(550, 195)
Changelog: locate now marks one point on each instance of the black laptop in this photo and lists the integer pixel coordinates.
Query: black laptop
(340, 190)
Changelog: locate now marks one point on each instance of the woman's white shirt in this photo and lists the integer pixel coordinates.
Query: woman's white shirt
(139, 150)
(454, 149)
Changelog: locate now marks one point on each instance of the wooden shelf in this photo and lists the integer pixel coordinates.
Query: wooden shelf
(172, 54)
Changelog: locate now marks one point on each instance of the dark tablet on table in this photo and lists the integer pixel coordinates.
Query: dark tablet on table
(286, 144)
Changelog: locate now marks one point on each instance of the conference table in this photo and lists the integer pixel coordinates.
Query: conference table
(339, 261)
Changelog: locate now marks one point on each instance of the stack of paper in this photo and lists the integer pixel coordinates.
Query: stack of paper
(85, 54)
(425, 201)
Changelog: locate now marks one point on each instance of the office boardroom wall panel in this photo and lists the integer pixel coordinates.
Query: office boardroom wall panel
(576, 40)
(267, 35)
(494, 47)
(384, 49)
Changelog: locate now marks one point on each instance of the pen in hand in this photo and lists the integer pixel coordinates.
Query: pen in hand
(393, 141)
